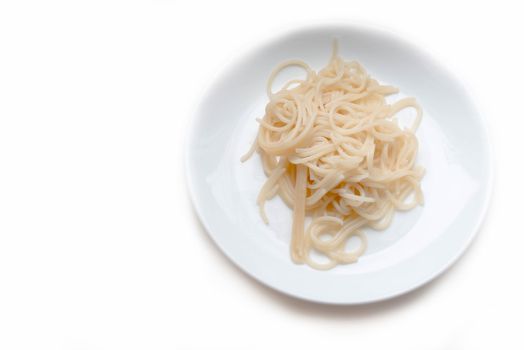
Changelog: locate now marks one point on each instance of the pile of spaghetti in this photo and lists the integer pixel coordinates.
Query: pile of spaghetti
(333, 150)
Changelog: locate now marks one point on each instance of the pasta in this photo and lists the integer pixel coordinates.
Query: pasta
(333, 150)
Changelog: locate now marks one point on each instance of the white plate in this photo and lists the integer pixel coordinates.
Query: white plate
(418, 246)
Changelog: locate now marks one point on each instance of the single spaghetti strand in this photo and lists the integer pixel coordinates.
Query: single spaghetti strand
(299, 213)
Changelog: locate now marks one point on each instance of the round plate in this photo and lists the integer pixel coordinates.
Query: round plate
(419, 244)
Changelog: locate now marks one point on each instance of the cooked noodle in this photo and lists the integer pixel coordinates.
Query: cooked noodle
(332, 149)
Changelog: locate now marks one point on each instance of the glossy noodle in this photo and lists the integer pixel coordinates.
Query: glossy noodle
(333, 150)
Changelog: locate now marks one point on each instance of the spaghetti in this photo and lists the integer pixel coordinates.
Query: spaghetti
(333, 150)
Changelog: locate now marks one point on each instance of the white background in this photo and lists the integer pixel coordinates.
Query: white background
(99, 245)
